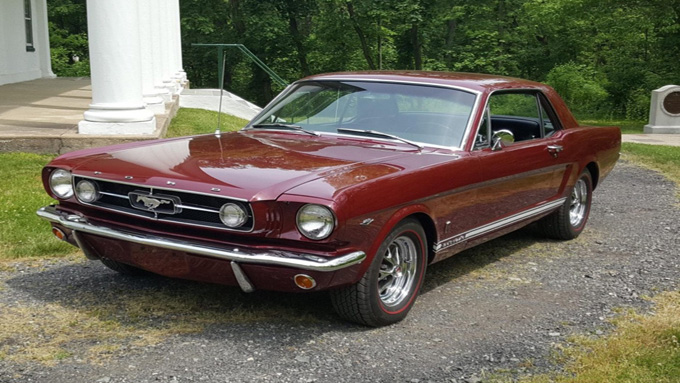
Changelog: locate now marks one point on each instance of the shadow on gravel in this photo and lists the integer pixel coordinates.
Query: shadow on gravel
(92, 287)
(476, 259)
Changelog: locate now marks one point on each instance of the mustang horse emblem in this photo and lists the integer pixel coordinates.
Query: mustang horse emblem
(151, 203)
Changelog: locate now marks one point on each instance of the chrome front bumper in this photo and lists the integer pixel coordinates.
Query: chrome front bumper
(302, 261)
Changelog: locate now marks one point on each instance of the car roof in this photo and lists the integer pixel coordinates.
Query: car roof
(473, 81)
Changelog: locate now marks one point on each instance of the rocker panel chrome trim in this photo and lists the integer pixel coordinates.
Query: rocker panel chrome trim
(482, 230)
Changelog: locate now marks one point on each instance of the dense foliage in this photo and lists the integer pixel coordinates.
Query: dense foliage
(604, 56)
(68, 37)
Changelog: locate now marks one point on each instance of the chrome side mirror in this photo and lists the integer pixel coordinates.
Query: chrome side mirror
(501, 138)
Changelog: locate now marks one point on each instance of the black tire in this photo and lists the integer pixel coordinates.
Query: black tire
(570, 219)
(388, 290)
(123, 268)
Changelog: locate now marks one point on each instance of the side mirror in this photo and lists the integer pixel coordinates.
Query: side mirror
(501, 138)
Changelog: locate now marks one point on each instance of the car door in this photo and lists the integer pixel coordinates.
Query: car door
(517, 179)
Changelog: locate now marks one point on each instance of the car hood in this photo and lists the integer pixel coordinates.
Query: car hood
(246, 165)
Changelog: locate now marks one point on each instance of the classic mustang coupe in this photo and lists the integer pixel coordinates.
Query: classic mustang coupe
(351, 182)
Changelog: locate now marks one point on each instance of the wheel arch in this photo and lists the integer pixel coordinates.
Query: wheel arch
(418, 212)
(430, 232)
(594, 173)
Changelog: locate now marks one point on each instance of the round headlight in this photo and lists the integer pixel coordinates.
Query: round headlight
(233, 215)
(315, 221)
(60, 183)
(87, 191)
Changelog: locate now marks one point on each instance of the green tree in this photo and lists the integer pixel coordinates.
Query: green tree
(68, 38)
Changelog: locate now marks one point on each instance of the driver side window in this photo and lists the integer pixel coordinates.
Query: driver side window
(524, 114)
(517, 113)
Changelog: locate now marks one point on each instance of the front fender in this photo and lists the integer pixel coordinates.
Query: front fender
(379, 228)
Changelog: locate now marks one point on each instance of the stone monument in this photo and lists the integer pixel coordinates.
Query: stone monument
(664, 112)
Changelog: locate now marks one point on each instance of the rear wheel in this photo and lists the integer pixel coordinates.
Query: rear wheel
(387, 291)
(570, 219)
(122, 267)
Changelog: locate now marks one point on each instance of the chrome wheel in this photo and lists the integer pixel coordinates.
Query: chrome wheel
(397, 273)
(579, 203)
(389, 287)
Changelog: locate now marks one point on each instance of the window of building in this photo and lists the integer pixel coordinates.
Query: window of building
(28, 18)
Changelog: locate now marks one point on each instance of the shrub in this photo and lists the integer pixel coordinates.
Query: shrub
(579, 87)
(638, 104)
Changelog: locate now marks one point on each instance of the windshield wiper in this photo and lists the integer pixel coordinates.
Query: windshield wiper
(380, 134)
(281, 125)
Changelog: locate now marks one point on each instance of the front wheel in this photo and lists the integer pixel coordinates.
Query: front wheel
(570, 219)
(387, 291)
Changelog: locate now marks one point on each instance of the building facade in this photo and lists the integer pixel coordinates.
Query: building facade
(24, 41)
(135, 58)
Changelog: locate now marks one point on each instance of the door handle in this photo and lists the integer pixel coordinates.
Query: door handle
(555, 150)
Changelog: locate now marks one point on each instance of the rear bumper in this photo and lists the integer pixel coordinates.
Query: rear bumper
(276, 258)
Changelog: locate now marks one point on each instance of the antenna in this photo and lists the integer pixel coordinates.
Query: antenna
(219, 109)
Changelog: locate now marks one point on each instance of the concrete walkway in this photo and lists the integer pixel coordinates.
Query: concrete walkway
(209, 99)
(41, 116)
(653, 139)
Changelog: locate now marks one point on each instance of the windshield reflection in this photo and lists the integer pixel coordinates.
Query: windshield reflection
(420, 114)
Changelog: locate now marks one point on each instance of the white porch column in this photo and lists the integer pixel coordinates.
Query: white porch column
(177, 37)
(152, 97)
(157, 51)
(43, 39)
(167, 48)
(117, 106)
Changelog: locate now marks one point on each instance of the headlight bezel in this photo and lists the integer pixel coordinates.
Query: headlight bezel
(243, 219)
(327, 226)
(95, 187)
(65, 182)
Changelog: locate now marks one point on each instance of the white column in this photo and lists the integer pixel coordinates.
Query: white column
(43, 39)
(167, 47)
(152, 97)
(157, 51)
(177, 37)
(115, 67)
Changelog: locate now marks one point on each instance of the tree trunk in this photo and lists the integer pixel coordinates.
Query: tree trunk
(452, 25)
(417, 48)
(362, 37)
(297, 40)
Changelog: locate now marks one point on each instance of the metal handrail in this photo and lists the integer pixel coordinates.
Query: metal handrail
(248, 53)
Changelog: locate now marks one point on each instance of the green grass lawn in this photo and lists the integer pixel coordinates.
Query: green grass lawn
(627, 127)
(665, 159)
(22, 233)
(189, 122)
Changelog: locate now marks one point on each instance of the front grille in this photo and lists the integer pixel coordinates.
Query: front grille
(189, 208)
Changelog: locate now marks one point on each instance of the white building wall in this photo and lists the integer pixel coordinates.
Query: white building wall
(16, 64)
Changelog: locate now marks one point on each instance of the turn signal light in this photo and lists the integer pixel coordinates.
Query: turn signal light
(304, 282)
(59, 234)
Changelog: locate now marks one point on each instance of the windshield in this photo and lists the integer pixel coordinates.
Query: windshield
(422, 114)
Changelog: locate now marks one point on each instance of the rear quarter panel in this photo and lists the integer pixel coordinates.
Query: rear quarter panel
(592, 144)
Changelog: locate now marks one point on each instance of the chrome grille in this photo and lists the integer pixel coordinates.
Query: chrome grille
(191, 208)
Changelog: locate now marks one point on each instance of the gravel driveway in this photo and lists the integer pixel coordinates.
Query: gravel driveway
(503, 305)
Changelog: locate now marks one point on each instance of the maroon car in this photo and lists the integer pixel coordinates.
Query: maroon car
(352, 182)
